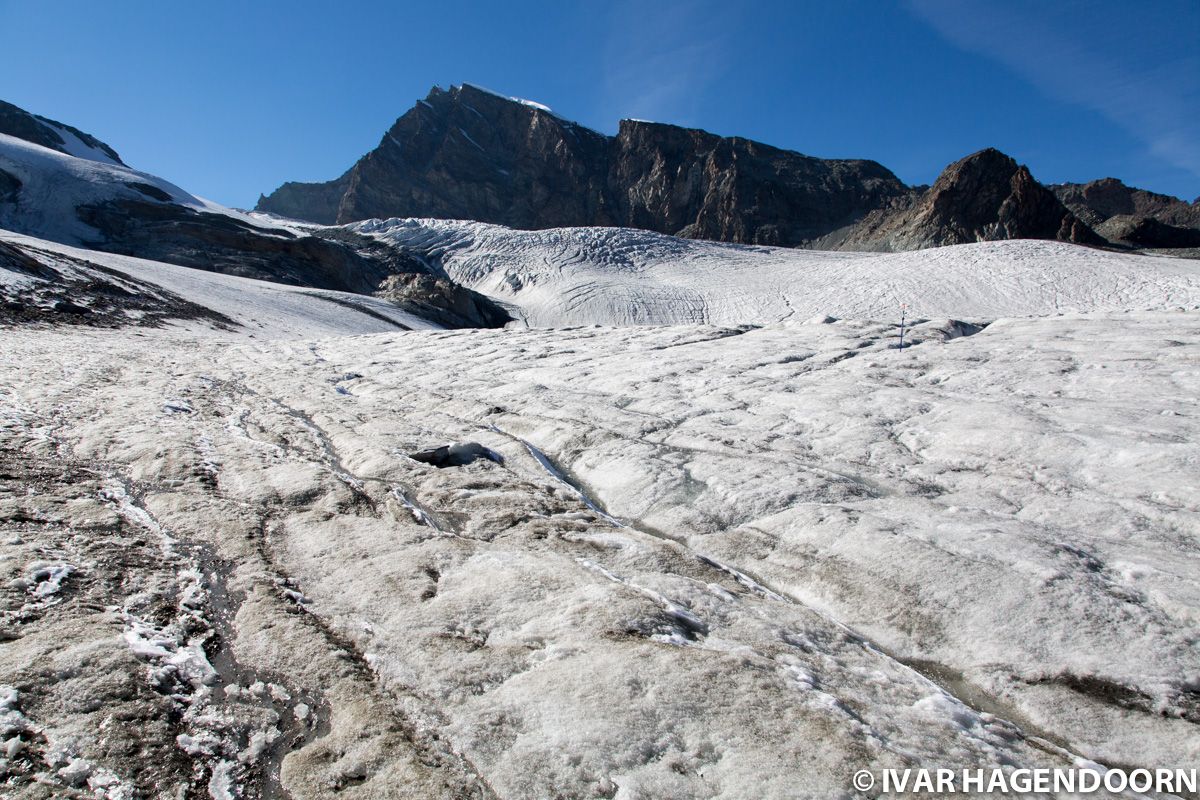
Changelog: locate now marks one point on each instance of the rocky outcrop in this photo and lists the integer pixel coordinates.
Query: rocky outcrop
(443, 301)
(338, 260)
(18, 122)
(70, 291)
(1147, 232)
(1099, 200)
(10, 187)
(467, 153)
(178, 235)
(313, 202)
(986, 196)
(1133, 217)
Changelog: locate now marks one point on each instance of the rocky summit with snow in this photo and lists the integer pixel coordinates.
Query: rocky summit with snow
(601, 488)
(468, 153)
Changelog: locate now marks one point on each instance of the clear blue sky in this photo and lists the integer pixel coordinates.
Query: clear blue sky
(229, 99)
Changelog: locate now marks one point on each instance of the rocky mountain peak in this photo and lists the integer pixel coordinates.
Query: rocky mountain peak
(467, 153)
(985, 196)
(988, 196)
(1130, 216)
(470, 153)
(973, 188)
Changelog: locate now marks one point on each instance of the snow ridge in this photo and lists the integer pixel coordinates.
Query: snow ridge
(54, 185)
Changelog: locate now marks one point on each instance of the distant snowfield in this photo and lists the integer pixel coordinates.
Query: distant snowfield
(615, 276)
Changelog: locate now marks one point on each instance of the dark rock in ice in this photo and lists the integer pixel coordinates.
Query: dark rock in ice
(456, 454)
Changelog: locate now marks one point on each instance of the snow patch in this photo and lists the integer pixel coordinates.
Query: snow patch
(77, 147)
(521, 100)
(467, 136)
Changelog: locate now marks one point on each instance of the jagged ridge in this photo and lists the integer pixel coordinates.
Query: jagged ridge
(467, 153)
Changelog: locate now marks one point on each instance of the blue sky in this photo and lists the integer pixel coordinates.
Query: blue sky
(229, 99)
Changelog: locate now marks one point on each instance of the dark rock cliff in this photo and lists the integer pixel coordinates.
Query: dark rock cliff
(466, 153)
(469, 154)
(695, 184)
(1130, 216)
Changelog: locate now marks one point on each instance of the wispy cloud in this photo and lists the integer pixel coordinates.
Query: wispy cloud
(659, 58)
(1138, 67)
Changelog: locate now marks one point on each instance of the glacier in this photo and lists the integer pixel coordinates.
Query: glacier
(619, 276)
(743, 554)
(724, 536)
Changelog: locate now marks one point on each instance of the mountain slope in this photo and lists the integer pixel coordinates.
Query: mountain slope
(468, 153)
(49, 284)
(20, 123)
(51, 188)
(95, 202)
(1097, 201)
